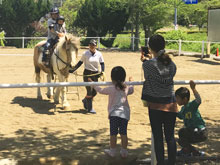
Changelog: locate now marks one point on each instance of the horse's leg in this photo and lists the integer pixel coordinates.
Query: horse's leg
(37, 72)
(37, 68)
(57, 94)
(38, 78)
(65, 103)
(49, 89)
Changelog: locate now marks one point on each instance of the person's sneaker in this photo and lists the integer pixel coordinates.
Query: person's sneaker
(124, 153)
(182, 152)
(198, 153)
(84, 103)
(110, 152)
(92, 111)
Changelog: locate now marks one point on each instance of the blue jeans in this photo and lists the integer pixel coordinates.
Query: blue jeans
(163, 123)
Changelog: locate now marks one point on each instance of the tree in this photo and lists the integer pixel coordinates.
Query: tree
(16, 16)
(101, 17)
(157, 14)
(152, 15)
(199, 16)
(197, 13)
(136, 8)
(69, 11)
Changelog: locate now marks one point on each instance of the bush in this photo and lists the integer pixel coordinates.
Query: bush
(2, 35)
(175, 35)
(214, 48)
(186, 46)
(33, 42)
(122, 41)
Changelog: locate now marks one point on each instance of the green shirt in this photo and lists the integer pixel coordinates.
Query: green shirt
(191, 115)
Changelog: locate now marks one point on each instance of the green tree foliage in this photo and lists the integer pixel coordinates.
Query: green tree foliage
(136, 9)
(2, 35)
(157, 14)
(152, 15)
(69, 11)
(16, 16)
(192, 14)
(102, 17)
(196, 14)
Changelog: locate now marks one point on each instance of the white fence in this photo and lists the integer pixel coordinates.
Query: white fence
(62, 84)
(131, 40)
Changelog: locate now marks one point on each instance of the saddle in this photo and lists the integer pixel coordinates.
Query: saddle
(51, 50)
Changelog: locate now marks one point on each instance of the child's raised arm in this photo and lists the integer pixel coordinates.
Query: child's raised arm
(131, 87)
(195, 92)
(104, 91)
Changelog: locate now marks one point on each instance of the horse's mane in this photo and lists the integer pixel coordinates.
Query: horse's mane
(71, 38)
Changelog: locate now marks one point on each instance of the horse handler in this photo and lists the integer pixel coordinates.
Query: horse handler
(92, 60)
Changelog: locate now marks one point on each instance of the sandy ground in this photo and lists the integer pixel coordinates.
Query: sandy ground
(30, 130)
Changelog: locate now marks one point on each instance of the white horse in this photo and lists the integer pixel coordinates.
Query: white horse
(64, 55)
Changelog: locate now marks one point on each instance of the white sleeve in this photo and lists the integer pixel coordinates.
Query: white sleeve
(83, 58)
(101, 59)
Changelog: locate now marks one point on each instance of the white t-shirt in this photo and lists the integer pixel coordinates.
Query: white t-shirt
(92, 62)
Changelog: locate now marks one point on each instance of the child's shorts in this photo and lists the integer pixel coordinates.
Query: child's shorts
(118, 125)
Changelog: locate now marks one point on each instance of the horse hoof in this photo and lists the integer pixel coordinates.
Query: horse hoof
(39, 98)
(56, 102)
(49, 96)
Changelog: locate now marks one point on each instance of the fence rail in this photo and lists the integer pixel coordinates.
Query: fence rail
(131, 39)
(62, 84)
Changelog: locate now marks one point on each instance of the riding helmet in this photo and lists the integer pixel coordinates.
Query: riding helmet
(54, 10)
(93, 42)
(61, 18)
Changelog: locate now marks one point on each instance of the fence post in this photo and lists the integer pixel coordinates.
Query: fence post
(180, 46)
(99, 43)
(22, 42)
(208, 48)
(203, 48)
(133, 43)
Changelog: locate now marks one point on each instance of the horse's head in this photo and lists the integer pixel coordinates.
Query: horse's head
(70, 44)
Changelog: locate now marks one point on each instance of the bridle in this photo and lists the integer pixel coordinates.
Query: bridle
(68, 63)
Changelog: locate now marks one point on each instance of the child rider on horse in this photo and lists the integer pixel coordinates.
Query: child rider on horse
(56, 30)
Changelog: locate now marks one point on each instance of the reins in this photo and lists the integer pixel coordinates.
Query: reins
(58, 57)
(102, 75)
(56, 53)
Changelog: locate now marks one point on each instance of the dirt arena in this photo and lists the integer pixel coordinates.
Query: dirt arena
(30, 130)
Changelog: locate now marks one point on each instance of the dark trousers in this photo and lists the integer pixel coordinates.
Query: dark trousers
(48, 45)
(188, 136)
(90, 91)
(163, 122)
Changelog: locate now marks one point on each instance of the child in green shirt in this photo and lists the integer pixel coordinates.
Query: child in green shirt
(194, 130)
